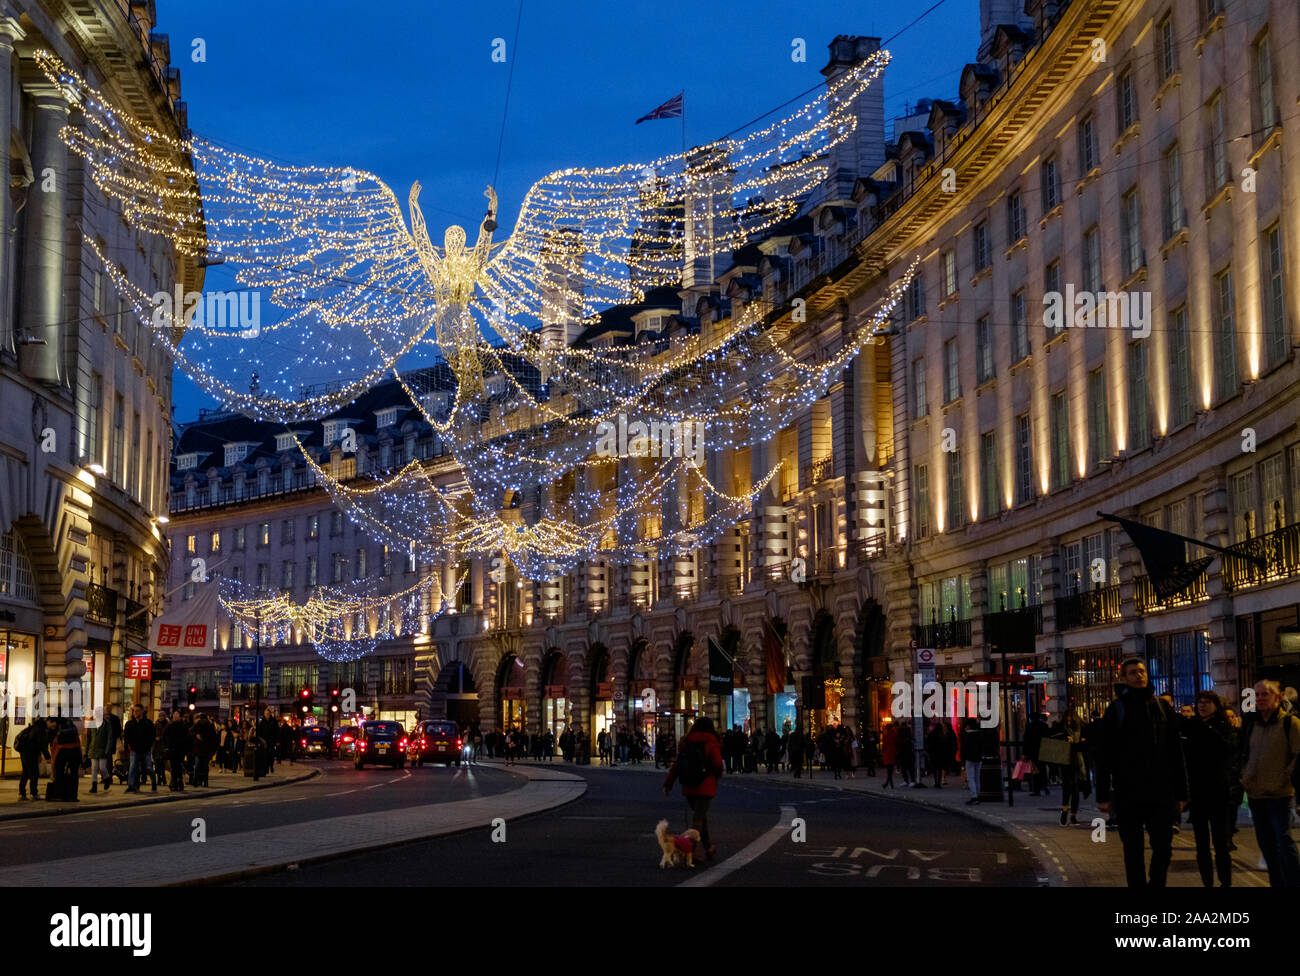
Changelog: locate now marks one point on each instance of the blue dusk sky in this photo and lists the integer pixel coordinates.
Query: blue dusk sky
(408, 89)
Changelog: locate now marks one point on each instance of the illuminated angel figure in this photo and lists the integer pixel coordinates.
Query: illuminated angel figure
(361, 293)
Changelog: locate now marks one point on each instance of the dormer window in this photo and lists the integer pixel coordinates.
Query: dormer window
(286, 441)
(386, 417)
(331, 431)
(236, 452)
(187, 462)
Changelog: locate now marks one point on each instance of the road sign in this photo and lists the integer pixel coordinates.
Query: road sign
(246, 669)
(925, 657)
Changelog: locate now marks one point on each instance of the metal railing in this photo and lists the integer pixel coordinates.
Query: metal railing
(1265, 559)
(137, 620)
(1031, 616)
(101, 604)
(1148, 601)
(1089, 609)
(951, 633)
(819, 471)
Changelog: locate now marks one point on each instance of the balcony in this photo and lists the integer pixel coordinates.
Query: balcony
(777, 572)
(953, 633)
(830, 560)
(137, 620)
(872, 545)
(1149, 602)
(101, 604)
(1090, 609)
(1267, 559)
(818, 471)
(685, 592)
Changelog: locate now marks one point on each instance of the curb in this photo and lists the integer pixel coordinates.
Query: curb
(66, 808)
(244, 873)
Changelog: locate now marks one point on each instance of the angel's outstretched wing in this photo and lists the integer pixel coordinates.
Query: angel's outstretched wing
(591, 238)
(325, 240)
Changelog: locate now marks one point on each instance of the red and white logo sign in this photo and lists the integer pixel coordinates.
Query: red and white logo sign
(925, 656)
(196, 635)
(169, 635)
(139, 668)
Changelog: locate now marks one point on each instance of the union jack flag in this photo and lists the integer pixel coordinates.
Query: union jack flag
(671, 109)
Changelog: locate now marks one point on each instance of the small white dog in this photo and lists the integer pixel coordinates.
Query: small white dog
(676, 850)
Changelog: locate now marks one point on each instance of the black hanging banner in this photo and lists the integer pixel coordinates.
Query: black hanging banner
(1165, 556)
(721, 670)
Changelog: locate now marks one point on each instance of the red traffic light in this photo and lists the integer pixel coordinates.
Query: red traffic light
(193, 690)
(305, 693)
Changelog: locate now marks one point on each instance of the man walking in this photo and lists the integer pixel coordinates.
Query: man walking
(972, 754)
(32, 745)
(1140, 770)
(139, 735)
(1270, 742)
(101, 749)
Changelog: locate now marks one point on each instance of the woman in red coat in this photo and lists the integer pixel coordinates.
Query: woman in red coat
(889, 752)
(698, 765)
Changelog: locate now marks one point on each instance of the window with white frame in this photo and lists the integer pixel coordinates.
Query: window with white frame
(983, 350)
(951, 378)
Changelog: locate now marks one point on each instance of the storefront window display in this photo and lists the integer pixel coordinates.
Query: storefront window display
(785, 710)
(512, 709)
(18, 673)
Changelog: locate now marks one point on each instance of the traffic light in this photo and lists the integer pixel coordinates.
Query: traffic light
(334, 701)
(192, 694)
(304, 700)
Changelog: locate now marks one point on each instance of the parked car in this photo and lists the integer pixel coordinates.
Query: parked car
(380, 742)
(345, 740)
(435, 740)
(316, 740)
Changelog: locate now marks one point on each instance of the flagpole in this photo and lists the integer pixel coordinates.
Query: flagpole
(1196, 542)
(683, 96)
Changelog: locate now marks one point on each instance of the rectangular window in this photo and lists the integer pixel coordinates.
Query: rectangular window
(1272, 484)
(1218, 155)
(1243, 507)
(119, 439)
(263, 575)
(1130, 233)
(1098, 418)
(1294, 452)
(313, 526)
(312, 578)
(1180, 370)
(1087, 146)
(1264, 104)
(336, 524)
(191, 544)
(956, 515)
(1019, 327)
(286, 531)
(983, 350)
(264, 534)
(918, 388)
(1052, 286)
(286, 574)
(1274, 296)
(1225, 338)
(1126, 96)
(1072, 566)
(981, 242)
(94, 449)
(990, 500)
(914, 304)
(951, 380)
(361, 563)
(1091, 257)
(1172, 204)
(1015, 219)
(340, 567)
(1024, 460)
(1139, 414)
(922, 501)
(214, 542)
(1166, 56)
(1051, 185)
(949, 273)
(1060, 435)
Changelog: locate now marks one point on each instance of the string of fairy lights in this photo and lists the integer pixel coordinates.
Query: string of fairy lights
(524, 414)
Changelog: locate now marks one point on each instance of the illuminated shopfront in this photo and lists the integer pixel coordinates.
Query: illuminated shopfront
(555, 695)
(18, 672)
(603, 718)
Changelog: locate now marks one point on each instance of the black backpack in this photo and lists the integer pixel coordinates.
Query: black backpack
(693, 763)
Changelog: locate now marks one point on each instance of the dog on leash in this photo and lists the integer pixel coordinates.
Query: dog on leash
(677, 850)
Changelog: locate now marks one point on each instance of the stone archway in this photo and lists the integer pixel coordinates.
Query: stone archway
(556, 696)
(455, 696)
(510, 706)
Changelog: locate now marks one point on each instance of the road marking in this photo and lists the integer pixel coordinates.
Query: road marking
(344, 793)
(598, 818)
(376, 786)
(750, 853)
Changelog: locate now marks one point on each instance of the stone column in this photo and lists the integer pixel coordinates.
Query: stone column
(9, 32)
(41, 315)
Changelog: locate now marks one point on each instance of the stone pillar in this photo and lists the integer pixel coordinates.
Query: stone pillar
(1224, 660)
(41, 316)
(9, 32)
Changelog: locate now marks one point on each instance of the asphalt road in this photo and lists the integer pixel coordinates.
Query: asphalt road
(606, 838)
(340, 790)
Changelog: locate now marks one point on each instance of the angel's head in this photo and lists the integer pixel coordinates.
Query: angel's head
(454, 239)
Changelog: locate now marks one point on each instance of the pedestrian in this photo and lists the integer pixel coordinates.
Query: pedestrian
(1074, 774)
(936, 750)
(1140, 770)
(853, 752)
(65, 760)
(971, 744)
(889, 753)
(871, 751)
(905, 749)
(794, 748)
(1270, 742)
(1034, 733)
(101, 748)
(269, 733)
(1211, 749)
(32, 745)
(159, 753)
(774, 747)
(175, 741)
(288, 740)
(139, 735)
(698, 765)
(203, 739)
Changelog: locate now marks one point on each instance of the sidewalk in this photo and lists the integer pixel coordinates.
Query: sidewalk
(225, 857)
(221, 783)
(1067, 856)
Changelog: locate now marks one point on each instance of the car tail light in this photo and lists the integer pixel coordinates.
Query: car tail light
(459, 743)
(347, 738)
(304, 741)
(402, 744)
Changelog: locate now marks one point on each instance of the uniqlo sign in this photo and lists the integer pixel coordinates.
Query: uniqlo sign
(169, 635)
(139, 668)
(196, 635)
